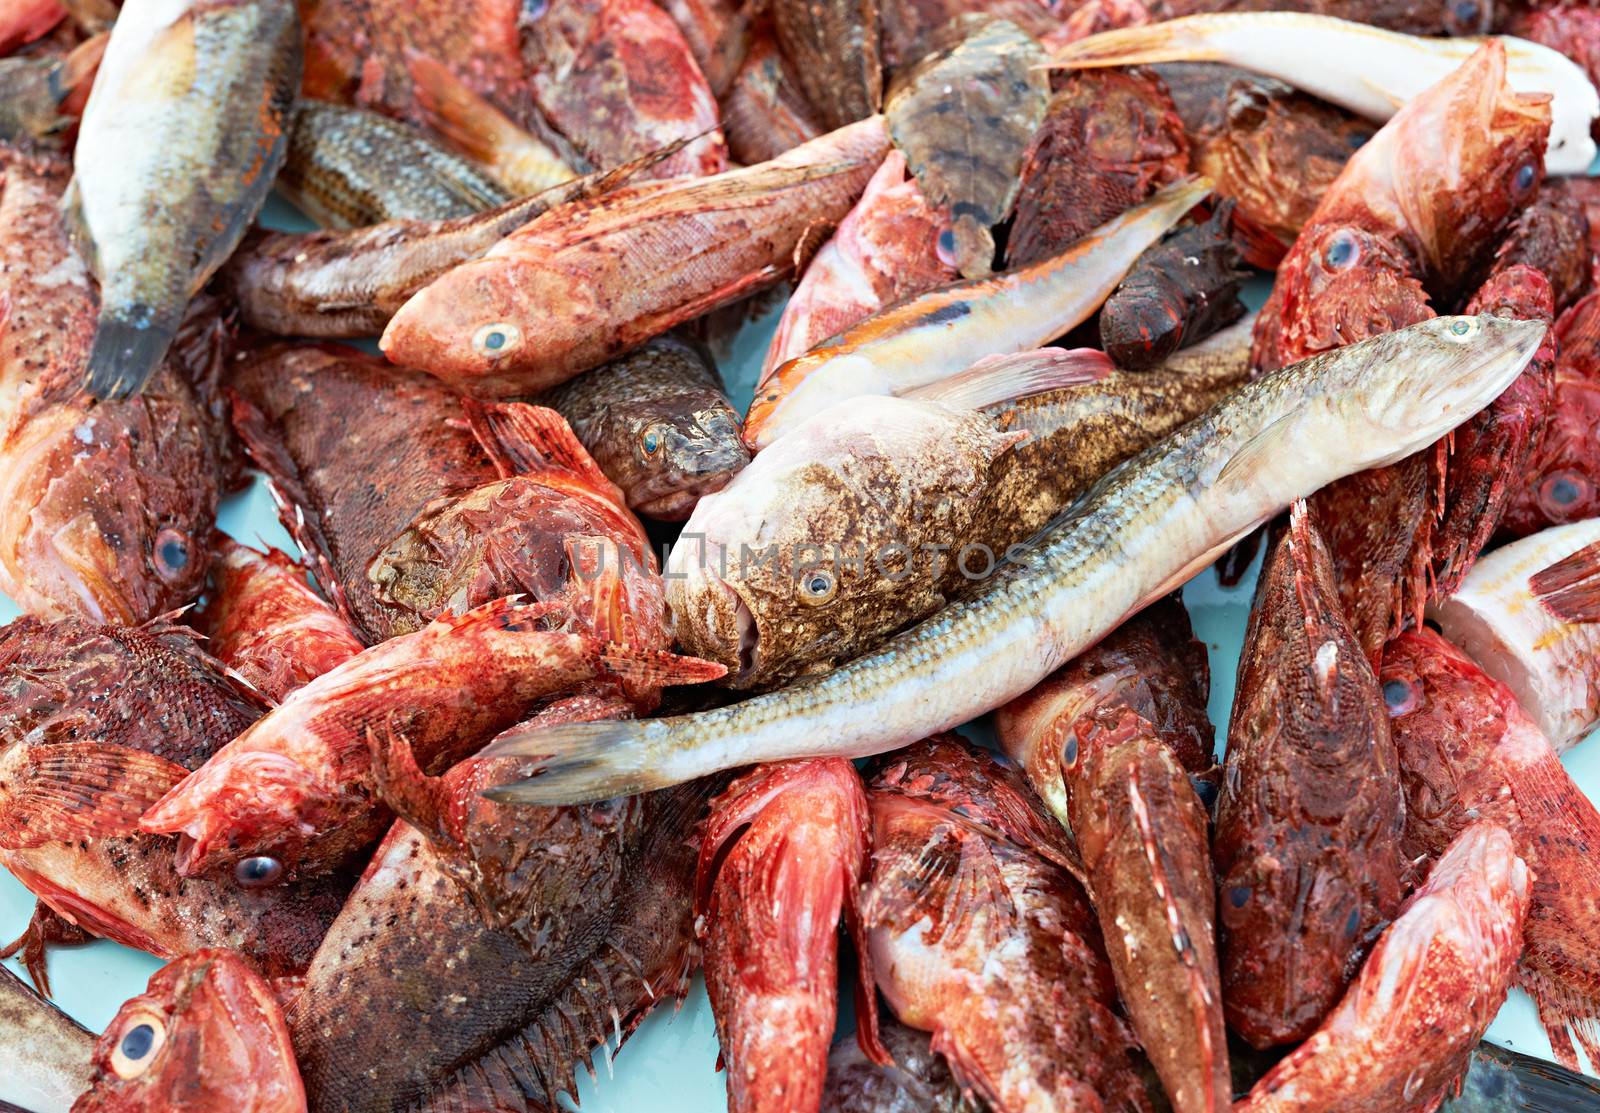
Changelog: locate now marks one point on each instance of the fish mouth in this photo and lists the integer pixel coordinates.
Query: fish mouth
(241, 807)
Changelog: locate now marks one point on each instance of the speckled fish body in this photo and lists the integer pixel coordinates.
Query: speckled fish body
(927, 338)
(1552, 235)
(834, 45)
(460, 524)
(1401, 1036)
(890, 246)
(590, 280)
(342, 284)
(764, 113)
(903, 472)
(350, 168)
(1173, 509)
(1385, 69)
(1111, 744)
(206, 1036)
(106, 507)
(47, 1053)
(109, 715)
(991, 947)
(1307, 845)
(609, 935)
(1468, 752)
(182, 137)
(1549, 664)
(266, 623)
(617, 78)
(658, 423)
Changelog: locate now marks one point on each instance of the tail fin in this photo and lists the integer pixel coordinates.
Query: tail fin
(124, 357)
(583, 762)
(1185, 39)
(1499, 1080)
(73, 790)
(657, 667)
(1003, 378)
(1570, 588)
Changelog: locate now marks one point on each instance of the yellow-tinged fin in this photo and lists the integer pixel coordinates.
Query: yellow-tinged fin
(582, 762)
(1175, 40)
(1270, 442)
(1570, 588)
(1003, 378)
(74, 790)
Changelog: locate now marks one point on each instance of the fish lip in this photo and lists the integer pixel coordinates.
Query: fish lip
(672, 498)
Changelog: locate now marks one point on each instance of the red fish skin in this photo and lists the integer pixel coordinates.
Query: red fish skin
(153, 690)
(106, 508)
(1570, 29)
(266, 622)
(782, 854)
(1307, 843)
(298, 786)
(1552, 235)
(1401, 1037)
(764, 113)
(1110, 138)
(23, 21)
(1468, 751)
(617, 78)
(994, 950)
(1113, 741)
(219, 1044)
(1561, 482)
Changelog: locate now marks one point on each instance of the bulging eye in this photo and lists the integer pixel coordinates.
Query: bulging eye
(1526, 177)
(1343, 251)
(1560, 492)
(651, 442)
(1399, 696)
(144, 1034)
(818, 586)
(171, 553)
(1466, 18)
(258, 872)
(497, 339)
(1462, 328)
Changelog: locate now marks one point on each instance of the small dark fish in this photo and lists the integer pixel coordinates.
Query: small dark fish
(350, 168)
(918, 1081)
(535, 935)
(206, 1036)
(342, 284)
(180, 142)
(1107, 142)
(1180, 291)
(659, 425)
(35, 91)
(833, 45)
(95, 720)
(1551, 234)
(964, 119)
(1307, 845)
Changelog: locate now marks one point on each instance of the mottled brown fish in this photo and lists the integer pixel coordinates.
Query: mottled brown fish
(834, 47)
(964, 120)
(658, 423)
(764, 111)
(480, 503)
(95, 720)
(1551, 234)
(105, 509)
(1307, 845)
(181, 139)
(350, 168)
(37, 92)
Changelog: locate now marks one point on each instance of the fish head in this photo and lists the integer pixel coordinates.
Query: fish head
(108, 508)
(1430, 376)
(470, 324)
(247, 814)
(832, 538)
(1563, 480)
(1343, 283)
(206, 1036)
(670, 458)
(1465, 157)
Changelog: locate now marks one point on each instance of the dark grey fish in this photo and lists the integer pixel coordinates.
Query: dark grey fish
(46, 1053)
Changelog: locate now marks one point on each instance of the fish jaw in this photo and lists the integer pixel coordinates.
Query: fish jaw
(241, 804)
(218, 1044)
(433, 331)
(703, 454)
(709, 614)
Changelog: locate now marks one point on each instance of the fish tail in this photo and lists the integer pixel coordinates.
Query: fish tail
(1508, 1082)
(657, 667)
(1567, 1016)
(465, 120)
(583, 762)
(1570, 588)
(1003, 378)
(125, 355)
(1175, 40)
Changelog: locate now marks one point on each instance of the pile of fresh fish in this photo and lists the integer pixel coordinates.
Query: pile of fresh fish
(595, 664)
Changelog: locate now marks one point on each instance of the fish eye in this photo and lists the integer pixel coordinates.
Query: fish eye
(171, 554)
(1462, 328)
(497, 339)
(1562, 491)
(1343, 251)
(652, 441)
(258, 872)
(818, 586)
(534, 9)
(946, 247)
(1526, 175)
(1466, 17)
(144, 1034)
(1069, 750)
(1399, 696)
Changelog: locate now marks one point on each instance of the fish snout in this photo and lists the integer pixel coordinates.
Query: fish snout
(242, 812)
